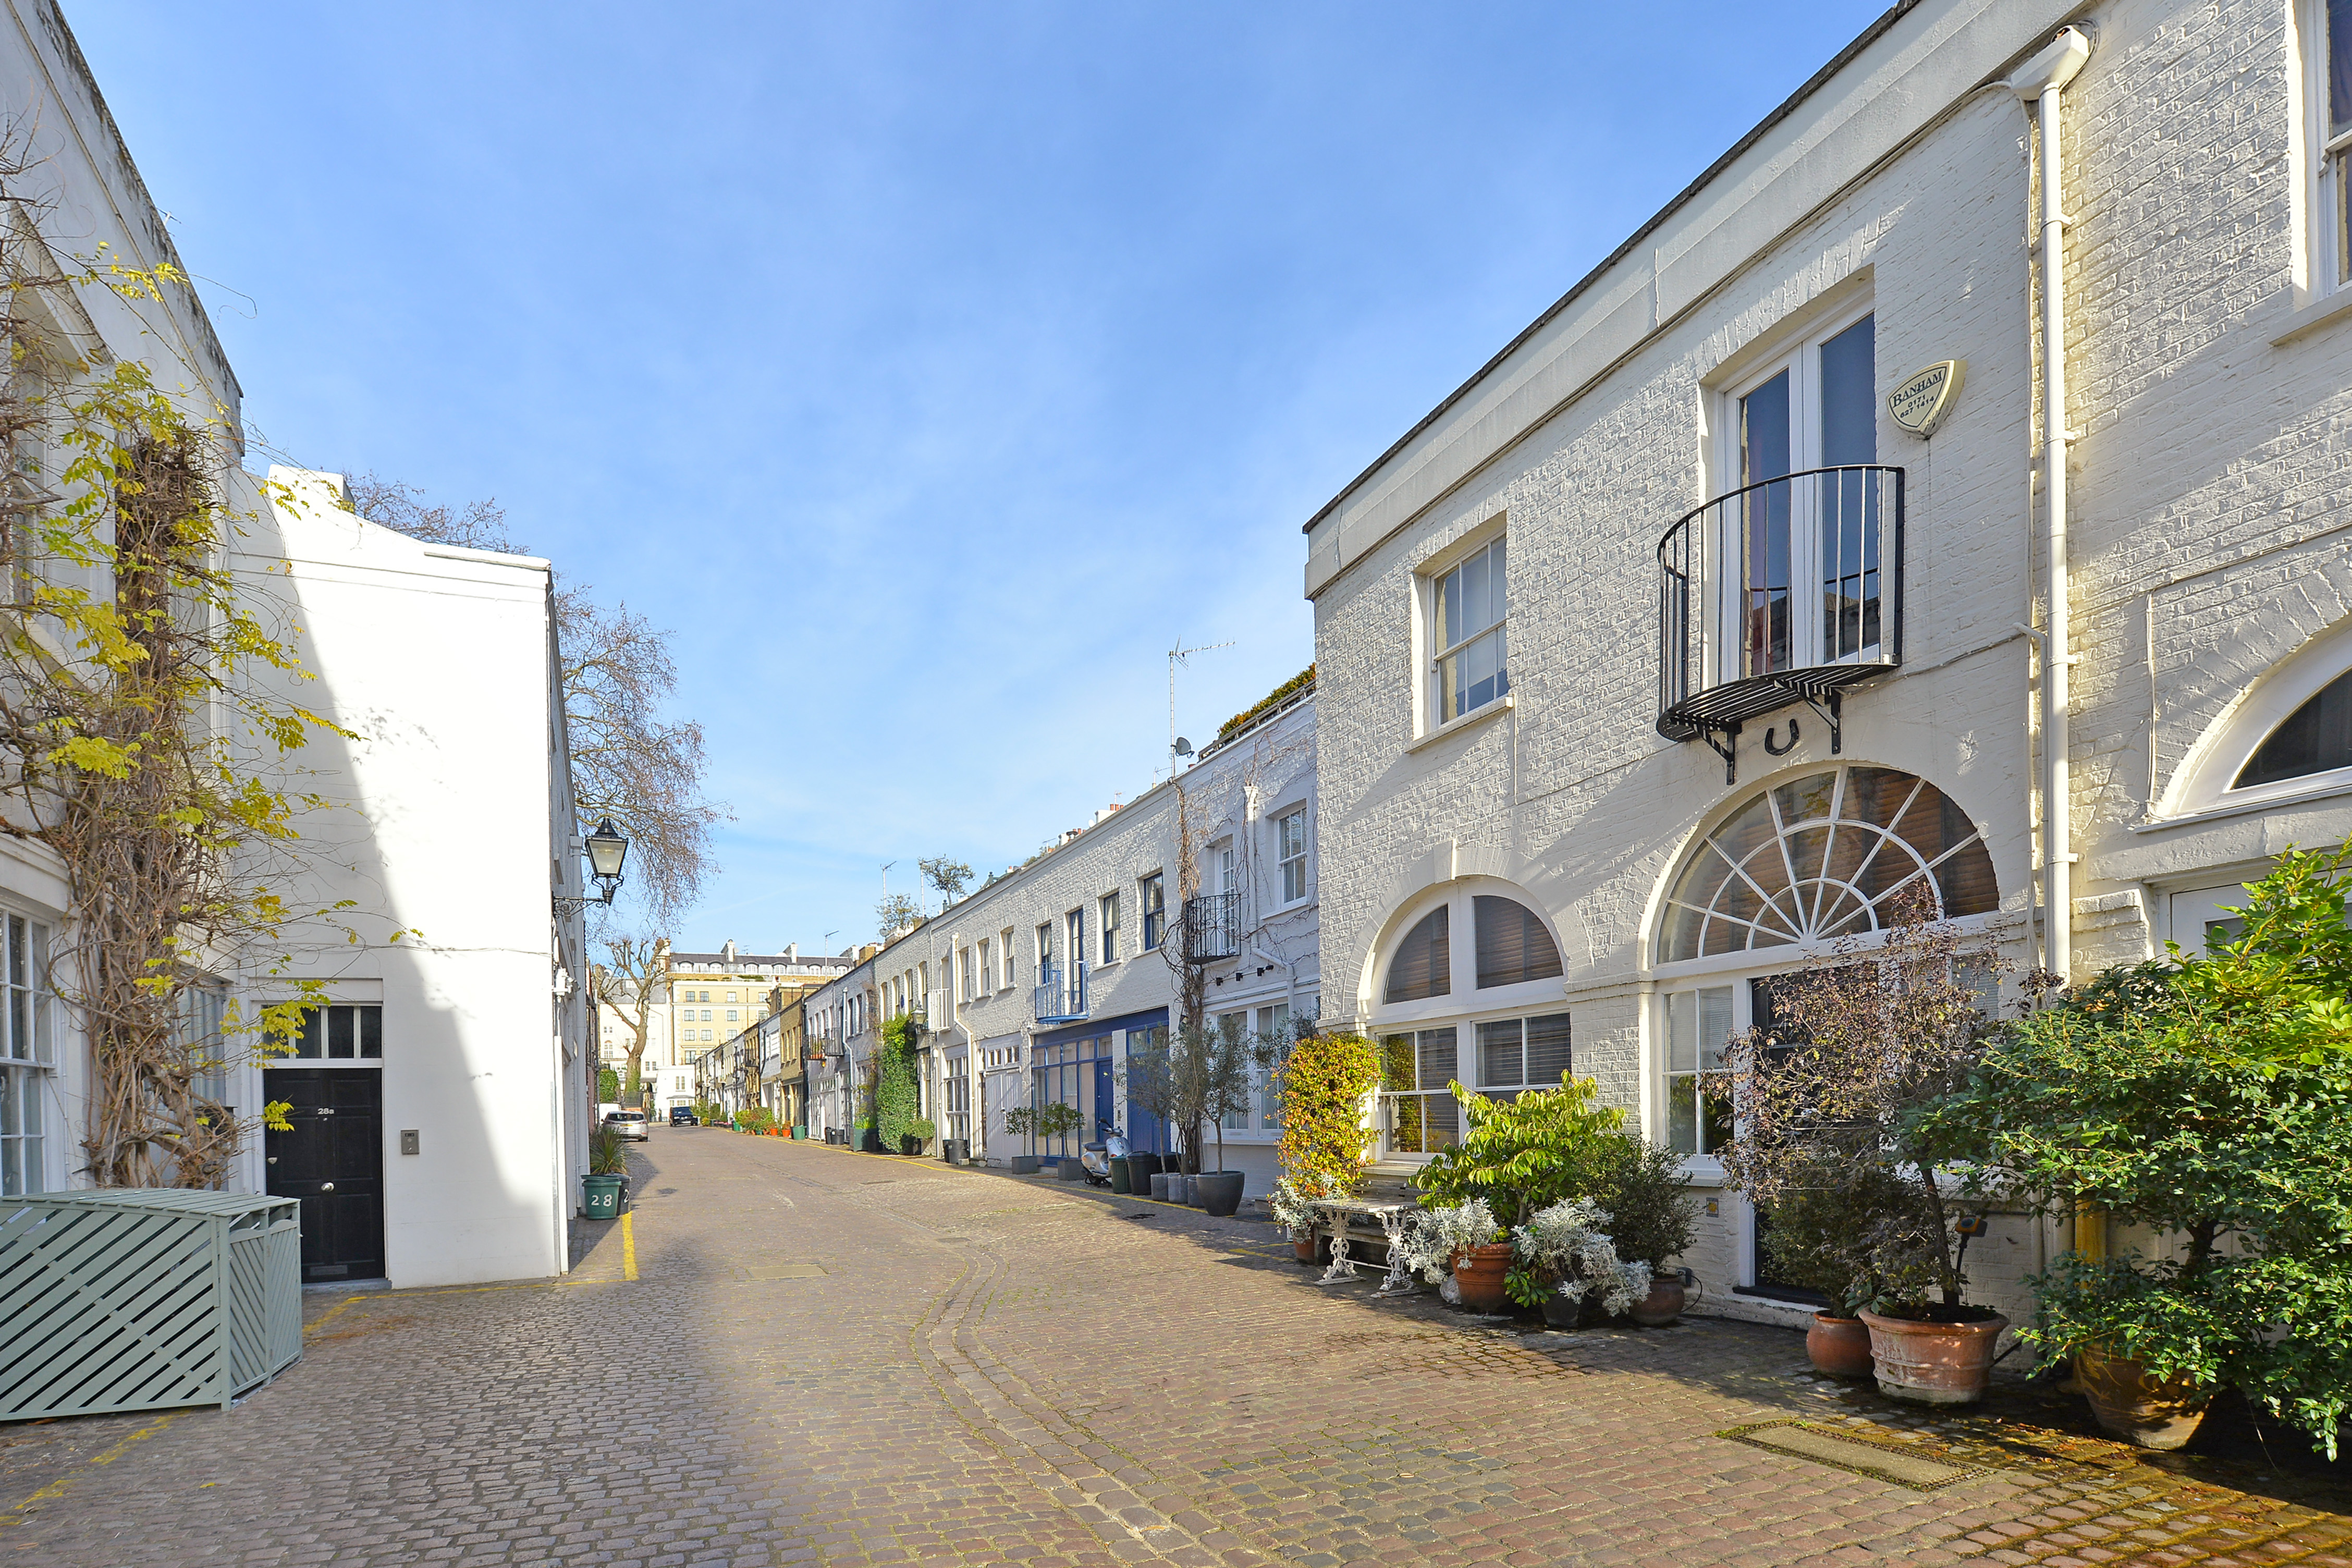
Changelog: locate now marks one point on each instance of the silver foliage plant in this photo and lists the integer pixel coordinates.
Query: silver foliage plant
(1570, 1240)
(1431, 1237)
(1293, 1210)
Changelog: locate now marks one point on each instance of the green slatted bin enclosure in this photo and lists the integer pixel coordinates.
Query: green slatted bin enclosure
(144, 1299)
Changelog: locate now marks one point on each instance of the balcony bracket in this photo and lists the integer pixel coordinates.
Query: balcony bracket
(1833, 715)
(1727, 748)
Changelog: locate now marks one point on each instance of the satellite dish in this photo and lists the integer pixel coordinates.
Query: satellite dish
(1183, 747)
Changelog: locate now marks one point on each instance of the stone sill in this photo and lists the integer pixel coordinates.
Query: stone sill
(1454, 727)
(2326, 308)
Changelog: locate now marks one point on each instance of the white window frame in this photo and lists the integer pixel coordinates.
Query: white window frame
(1487, 538)
(1107, 919)
(987, 971)
(28, 1050)
(1801, 357)
(1152, 899)
(1005, 951)
(1293, 868)
(2326, 157)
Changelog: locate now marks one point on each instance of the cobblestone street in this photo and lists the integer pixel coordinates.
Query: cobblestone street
(791, 1353)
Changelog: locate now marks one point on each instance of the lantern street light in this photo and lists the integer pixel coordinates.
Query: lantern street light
(606, 851)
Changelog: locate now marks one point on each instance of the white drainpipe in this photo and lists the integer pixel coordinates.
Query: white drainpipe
(2040, 84)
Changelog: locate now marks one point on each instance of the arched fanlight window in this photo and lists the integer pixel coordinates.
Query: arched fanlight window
(1823, 857)
(1424, 964)
(2316, 739)
(1512, 945)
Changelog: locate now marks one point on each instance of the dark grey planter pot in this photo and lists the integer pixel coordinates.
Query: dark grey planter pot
(1160, 1182)
(1024, 1164)
(1220, 1192)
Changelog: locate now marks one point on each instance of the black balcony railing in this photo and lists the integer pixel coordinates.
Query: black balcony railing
(1060, 995)
(1213, 926)
(1785, 591)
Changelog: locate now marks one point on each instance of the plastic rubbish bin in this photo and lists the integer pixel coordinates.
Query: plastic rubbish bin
(601, 1196)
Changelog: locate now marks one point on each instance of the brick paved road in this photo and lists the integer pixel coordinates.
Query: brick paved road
(833, 1358)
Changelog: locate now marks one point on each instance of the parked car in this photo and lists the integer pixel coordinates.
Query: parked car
(629, 1123)
(679, 1116)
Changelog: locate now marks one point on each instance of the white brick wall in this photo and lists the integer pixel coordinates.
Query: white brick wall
(2210, 470)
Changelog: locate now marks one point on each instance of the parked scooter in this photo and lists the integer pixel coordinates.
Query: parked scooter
(1095, 1158)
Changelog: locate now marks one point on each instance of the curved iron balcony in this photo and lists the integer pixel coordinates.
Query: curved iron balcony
(1788, 590)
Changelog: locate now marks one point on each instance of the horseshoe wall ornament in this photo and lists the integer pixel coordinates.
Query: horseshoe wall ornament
(1781, 751)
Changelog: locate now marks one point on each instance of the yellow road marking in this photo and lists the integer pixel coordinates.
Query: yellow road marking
(629, 1245)
(57, 1488)
(331, 1314)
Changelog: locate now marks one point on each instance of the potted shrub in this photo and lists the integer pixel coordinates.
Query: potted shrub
(1293, 1208)
(1567, 1258)
(1020, 1121)
(1839, 1086)
(1819, 1233)
(917, 1136)
(607, 1179)
(1518, 1156)
(1650, 1216)
(1454, 1246)
(1227, 1089)
(2203, 1100)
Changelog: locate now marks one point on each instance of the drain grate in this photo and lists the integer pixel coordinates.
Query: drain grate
(1899, 1465)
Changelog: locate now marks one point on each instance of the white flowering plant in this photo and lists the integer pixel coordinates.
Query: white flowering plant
(1567, 1247)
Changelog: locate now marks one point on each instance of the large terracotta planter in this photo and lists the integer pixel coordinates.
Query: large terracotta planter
(1840, 1347)
(1478, 1273)
(1303, 1248)
(2141, 1410)
(1662, 1305)
(1929, 1362)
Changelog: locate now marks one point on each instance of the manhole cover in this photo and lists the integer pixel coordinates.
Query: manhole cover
(771, 1271)
(1905, 1466)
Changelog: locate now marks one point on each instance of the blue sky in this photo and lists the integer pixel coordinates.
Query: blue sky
(929, 370)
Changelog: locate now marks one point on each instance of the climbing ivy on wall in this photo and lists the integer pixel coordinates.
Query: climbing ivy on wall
(897, 1100)
(1324, 1079)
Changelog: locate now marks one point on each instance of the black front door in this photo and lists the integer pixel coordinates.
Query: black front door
(333, 1161)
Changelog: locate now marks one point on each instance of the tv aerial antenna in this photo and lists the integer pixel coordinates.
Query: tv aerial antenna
(1177, 746)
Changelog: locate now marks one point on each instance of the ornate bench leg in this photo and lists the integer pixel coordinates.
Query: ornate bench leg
(1400, 1277)
(1343, 1265)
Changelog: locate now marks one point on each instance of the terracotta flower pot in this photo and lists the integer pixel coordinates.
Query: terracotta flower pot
(1840, 1347)
(2140, 1409)
(1662, 1305)
(1478, 1272)
(1303, 1248)
(1930, 1363)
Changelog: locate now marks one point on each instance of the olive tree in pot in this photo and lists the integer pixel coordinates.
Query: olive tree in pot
(1020, 1121)
(1836, 1087)
(1228, 1089)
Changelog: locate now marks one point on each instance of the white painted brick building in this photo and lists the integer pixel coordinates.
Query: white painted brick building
(1882, 221)
(992, 973)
